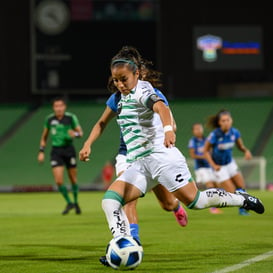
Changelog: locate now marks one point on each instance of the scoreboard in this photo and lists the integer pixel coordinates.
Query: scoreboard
(73, 41)
(228, 47)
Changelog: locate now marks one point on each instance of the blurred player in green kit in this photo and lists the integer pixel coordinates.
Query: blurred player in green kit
(62, 127)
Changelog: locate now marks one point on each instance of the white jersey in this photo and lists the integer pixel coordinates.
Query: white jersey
(141, 128)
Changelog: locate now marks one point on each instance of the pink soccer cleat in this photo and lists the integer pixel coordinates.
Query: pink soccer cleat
(214, 210)
(181, 216)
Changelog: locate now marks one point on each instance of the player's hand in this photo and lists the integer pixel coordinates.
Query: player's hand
(41, 157)
(71, 133)
(84, 153)
(248, 155)
(170, 139)
(216, 167)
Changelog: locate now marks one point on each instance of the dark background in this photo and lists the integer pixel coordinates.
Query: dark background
(173, 54)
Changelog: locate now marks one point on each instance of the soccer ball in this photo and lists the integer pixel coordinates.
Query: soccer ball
(124, 253)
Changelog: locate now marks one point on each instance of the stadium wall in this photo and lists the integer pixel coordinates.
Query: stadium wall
(20, 170)
(174, 50)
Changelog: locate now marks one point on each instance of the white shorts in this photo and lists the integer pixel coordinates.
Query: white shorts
(204, 175)
(121, 164)
(226, 172)
(166, 166)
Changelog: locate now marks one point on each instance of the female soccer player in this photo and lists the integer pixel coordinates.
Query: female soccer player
(154, 159)
(203, 171)
(62, 127)
(218, 151)
(167, 201)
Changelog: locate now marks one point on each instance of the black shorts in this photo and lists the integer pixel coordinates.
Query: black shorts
(61, 156)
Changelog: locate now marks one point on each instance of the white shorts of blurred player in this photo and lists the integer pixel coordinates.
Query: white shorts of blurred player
(204, 175)
(166, 166)
(121, 164)
(226, 172)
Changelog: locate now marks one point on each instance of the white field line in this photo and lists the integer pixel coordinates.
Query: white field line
(245, 263)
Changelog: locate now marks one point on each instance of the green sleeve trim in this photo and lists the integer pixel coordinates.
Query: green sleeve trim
(114, 195)
(46, 122)
(192, 204)
(75, 120)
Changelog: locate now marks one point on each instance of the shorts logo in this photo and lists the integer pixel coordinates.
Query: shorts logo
(179, 178)
(72, 161)
(53, 163)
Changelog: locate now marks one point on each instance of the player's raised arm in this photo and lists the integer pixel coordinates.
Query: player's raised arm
(76, 132)
(241, 147)
(167, 122)
(208, 157)
(95, 133)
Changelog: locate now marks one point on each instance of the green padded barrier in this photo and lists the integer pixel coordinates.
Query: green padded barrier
(8, 116)
(18, 158)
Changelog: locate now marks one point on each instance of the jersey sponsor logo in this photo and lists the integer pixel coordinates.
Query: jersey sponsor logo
(225, 146)
(54, 122)
(53, 131)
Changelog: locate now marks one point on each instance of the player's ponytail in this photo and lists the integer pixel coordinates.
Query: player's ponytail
(213, 121)
(129, 55)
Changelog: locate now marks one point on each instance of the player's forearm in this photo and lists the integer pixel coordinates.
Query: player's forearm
(78, 132)
(195, 156)
(95, 133)
(241, 146)
(164, 113)
(44, 138)
(43, 142)
(208, 157)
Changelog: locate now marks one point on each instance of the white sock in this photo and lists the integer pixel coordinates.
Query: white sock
(116, 217)
(216, 198)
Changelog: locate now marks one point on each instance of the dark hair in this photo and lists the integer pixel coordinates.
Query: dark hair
(59, 98)
(130, 56)
(196, 123)
(213, 121)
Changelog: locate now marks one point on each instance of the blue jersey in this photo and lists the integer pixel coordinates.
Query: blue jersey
(198, 145)
(222, 145)
(112, 103)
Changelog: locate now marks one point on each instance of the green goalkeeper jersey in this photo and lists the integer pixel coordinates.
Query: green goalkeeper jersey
(58, 129)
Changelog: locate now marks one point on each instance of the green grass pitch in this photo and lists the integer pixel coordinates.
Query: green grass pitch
(36, 238)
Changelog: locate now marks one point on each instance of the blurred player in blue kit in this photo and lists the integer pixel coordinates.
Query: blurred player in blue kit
(165, 198)
(218, 152)
(203, 171)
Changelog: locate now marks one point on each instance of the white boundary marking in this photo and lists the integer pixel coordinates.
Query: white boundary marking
(245, 263)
